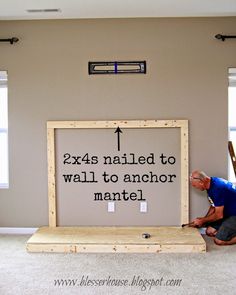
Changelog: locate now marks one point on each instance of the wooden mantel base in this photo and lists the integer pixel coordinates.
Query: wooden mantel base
(116, 240)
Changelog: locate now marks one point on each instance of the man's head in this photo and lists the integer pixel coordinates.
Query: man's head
(200, 180)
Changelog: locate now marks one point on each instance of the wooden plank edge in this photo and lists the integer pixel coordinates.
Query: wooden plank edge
(184, 173)
(104, 248)
(52, 212)
(115, 124)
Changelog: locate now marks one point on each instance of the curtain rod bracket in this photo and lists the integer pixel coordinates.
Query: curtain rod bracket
(10, 40)
(223, 37)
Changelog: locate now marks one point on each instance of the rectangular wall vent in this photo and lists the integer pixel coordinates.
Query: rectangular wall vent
(117, 67)
(43, 10)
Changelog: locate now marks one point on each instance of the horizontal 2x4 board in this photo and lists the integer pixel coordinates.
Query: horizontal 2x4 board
(117, 239)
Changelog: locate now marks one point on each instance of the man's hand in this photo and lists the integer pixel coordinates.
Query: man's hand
(216, 215)
(198, 222)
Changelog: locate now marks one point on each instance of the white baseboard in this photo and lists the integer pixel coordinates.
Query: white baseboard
(18, 230)
(32, 230)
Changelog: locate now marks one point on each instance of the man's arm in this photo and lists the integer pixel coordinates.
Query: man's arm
(210, 211)
(216, 215)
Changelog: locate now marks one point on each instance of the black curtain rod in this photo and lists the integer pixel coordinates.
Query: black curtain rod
(223, 37)
(11, 40)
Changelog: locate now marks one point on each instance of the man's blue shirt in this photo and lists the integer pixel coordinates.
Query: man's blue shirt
(223, 193)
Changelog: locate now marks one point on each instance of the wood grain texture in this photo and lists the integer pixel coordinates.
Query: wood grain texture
(116, 239)
(51, 178)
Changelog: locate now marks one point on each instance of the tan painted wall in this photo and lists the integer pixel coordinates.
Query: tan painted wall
(76, 202)
(186, 79)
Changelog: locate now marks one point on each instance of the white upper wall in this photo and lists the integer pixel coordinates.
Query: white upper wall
(15, 9)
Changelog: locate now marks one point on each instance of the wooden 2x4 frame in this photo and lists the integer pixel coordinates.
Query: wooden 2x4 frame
(53, 125)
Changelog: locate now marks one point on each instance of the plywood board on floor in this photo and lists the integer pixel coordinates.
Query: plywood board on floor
(116, 239)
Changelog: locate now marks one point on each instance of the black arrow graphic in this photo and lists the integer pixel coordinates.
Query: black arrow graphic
(118, 131)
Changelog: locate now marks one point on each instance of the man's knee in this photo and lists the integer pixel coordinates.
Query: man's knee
(219, 242)
(210, 231)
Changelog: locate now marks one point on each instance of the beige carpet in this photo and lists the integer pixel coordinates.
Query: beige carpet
(23, 273)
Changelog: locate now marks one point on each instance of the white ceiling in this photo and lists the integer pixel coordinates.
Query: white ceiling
(16, 9)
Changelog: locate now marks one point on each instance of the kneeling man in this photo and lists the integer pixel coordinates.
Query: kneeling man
(220, 219)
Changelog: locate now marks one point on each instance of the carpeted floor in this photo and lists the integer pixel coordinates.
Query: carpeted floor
(23, 273)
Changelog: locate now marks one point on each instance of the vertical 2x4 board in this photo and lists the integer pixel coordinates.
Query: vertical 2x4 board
(117, 172)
